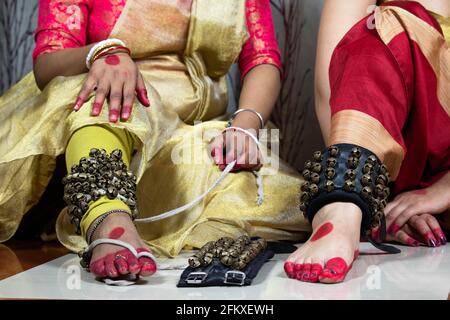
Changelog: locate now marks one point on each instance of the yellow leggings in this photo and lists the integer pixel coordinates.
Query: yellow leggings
(100, 137)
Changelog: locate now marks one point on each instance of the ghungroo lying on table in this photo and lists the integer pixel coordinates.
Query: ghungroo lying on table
(98, 175)
(226, 262)
(348, 173)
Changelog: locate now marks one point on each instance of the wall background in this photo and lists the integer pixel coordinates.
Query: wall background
(296, 22)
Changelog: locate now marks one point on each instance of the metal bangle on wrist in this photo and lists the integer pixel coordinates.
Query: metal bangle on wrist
(261, 120)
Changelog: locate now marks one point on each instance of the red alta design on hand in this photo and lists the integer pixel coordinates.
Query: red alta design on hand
(112, 60)
(324, 229)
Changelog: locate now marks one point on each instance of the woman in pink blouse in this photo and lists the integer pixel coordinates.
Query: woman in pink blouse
(132, 77)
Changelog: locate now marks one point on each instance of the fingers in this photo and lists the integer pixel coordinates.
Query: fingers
(242, 149)
(231, 146)
(407, 213)
(402, 237)
(420, 224)
(86, 90)
(128, 97)
(433, 224)
(141, 91)
(100, 96)
(391, 217)
(115, 100)
(217, 149)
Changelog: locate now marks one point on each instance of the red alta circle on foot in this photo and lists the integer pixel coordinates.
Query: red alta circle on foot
(116, 233)
(323, 230)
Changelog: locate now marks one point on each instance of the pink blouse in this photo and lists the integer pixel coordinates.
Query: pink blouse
(76, 23)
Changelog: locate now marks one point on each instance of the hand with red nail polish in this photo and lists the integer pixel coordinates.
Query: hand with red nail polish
(235, 146)
(420, 229)
(114, 78)
(408, 206)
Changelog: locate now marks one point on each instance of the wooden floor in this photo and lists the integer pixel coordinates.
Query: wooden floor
(20, 255)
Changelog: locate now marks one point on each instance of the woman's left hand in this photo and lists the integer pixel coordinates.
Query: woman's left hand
(432, 200)
(233, 145)
(422, 228)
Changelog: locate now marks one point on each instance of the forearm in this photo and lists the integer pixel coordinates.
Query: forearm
(67, 62)
(260, 90)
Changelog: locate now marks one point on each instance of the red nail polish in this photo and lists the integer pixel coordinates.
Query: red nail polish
(96, 109)
(114, 115)
(440, 234)
(78, 103)
(289, 269)
(412, 242)
(394, 228)
(376, 234)
(431, 240)
(126, 112)
(144, 97)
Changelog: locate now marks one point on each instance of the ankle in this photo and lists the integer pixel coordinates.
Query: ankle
(345, 212)
(106, 225)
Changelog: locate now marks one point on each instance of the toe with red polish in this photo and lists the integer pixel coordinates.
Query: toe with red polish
(298, 269)
(289, 269)
(133, 264)
(110, 266)
(316, 270)
(98, 268)
(306, 272)
(335, 271)
(148, 266)
(121, 265)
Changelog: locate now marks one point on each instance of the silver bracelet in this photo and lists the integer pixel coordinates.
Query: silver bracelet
(261, 120)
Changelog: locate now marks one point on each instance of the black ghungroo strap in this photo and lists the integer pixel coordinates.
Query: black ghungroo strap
(347, 173)
(98, 175)
(226, 262)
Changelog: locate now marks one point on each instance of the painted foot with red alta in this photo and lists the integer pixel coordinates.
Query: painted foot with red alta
(328, 255)
(113, 261)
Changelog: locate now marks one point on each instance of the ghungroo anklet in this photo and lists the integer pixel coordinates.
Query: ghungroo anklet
(347, 173)
(98, 175)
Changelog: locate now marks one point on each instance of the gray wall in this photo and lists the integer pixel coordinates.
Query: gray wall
(296, 22)
(17, 24)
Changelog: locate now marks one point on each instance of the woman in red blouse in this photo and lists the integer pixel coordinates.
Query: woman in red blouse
(134, 76)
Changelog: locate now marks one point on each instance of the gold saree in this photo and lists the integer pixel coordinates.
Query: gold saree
(184, 50)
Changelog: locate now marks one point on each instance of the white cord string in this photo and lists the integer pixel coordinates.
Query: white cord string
(168, 266)
(191, 204)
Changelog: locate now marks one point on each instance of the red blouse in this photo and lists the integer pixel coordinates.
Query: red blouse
(76, 23)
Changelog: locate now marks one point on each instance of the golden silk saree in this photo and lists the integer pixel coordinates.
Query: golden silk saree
(184, 63)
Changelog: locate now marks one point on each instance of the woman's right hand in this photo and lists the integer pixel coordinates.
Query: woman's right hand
(114, 77)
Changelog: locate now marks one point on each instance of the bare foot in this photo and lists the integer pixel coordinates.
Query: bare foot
(113, 261)
(333, 246)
